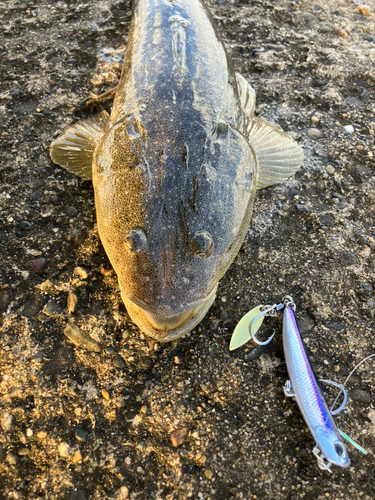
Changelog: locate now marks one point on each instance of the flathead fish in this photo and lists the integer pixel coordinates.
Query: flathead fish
(175, 166)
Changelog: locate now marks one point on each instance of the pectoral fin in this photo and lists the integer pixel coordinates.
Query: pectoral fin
(279, 156)
(247, 96)
(74, 148)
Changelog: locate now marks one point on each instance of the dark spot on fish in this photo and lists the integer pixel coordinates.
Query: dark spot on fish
(185, 154)
(193, 197)
(220, 132)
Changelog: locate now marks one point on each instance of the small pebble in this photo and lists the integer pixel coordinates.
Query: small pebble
(106, 272)
(360, 395)
(302, 208)
(314, 119)
(11, 458)
(38, 264)
(105, 394)
(339, 32)
(41, 435)
(224, 315)
(367, 287)
(6, 420)
(177, 360)
(72, 302)
(64, 450)
(53, 310)
(179, 436)
(337, 326)
(364, 10)
(22, 452)
(72, 211)
(74, 334)
(255, 353)
(24, 224)
(128, 461)
(4, 301)
(200, 459)
(31, 308)
(77, 457)
(29, 432)
(349, 129)
(243, 451)
(140, 470)
(79, 271)
(208, 474)
(81, 434)
(330, 170)
(314, 133)
(123, 493)
(369, 38)
(336, 368)
(118, 362)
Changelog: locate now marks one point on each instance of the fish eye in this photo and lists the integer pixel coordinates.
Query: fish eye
(135, 240)
(201, 244)
(339, 449)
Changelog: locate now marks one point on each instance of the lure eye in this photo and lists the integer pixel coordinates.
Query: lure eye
(339, 449)
(135, 241)
(201, 244)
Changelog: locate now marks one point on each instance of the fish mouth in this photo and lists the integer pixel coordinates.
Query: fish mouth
(163, 327)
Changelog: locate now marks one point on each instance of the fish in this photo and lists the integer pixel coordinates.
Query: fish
(175, 166)
(305, 387)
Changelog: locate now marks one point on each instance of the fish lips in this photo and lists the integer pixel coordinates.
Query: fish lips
(165, 327)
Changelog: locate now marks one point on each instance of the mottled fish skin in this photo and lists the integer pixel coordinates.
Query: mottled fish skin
(178, 155)
(176, 165)
(308, 394)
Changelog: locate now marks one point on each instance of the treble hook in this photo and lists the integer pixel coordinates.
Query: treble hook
(269, 311)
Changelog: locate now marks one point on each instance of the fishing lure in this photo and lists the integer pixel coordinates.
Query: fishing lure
(304, 386)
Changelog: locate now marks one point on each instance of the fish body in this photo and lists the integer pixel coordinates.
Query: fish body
(176, 165)
(305, 387)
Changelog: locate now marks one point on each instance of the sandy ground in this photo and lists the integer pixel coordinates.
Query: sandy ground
(125, 417)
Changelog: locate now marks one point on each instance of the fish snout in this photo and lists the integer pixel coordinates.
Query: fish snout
(167, 323)
(163, 322)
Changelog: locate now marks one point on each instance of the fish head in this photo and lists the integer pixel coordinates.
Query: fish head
(172, 216)
(331, 447)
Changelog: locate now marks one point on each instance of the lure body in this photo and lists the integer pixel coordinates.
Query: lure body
(305, 387)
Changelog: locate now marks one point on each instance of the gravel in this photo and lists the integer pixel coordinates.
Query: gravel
(243, 438)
